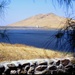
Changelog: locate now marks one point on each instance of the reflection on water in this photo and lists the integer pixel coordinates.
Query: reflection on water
(34, 37)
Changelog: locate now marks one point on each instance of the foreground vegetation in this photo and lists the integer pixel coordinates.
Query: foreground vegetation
(9, 52)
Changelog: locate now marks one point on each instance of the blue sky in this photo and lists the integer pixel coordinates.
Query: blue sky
(19, 10)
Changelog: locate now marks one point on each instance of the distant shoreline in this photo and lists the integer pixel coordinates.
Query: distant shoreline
(25, 27)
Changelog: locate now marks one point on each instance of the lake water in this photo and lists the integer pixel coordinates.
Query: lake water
(41, 38)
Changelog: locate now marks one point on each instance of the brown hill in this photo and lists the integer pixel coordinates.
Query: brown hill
(42, 20)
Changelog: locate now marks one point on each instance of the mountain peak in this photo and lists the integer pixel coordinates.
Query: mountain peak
(41, 16)
(51, 14)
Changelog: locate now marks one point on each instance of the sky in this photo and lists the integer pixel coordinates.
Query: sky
(19, 10)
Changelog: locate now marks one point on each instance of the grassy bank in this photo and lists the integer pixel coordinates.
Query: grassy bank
(10, 52)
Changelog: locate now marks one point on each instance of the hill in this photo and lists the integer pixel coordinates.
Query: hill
(42, 20)
(10, 52)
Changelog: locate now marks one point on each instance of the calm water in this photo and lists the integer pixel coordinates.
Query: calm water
(34, 37)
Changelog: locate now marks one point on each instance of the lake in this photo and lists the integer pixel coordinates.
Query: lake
(41, 38)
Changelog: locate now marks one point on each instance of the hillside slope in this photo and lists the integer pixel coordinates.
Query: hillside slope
(42, 20)
(10, 52)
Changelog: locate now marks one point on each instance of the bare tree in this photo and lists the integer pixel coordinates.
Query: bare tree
(3, 6)
(69, 27)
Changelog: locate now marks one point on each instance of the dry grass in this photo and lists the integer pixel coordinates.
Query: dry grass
(10, 52)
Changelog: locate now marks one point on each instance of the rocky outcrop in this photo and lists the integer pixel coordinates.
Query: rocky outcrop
(38, 67)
